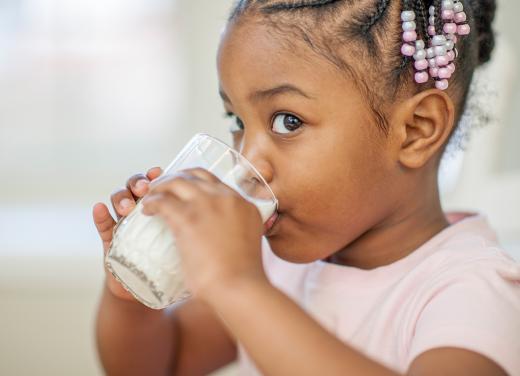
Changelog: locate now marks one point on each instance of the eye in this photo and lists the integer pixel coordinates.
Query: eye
(236, 125)
(286, 123)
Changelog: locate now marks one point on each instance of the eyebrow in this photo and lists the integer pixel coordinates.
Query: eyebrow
(261, 95)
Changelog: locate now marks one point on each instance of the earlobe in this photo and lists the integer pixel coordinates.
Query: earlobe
(426, 124)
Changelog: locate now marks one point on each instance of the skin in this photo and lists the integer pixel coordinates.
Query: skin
(347, 194)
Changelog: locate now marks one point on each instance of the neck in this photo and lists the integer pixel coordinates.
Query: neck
(397, 236)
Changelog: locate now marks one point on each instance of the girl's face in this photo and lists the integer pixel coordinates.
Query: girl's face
(311, 134)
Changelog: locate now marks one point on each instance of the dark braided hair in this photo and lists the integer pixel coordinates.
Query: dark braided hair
(422, 19)
(372, 31)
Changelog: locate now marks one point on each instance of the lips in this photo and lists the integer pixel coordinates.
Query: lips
(271, 222)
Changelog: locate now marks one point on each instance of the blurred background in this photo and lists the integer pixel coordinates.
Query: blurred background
(93, 91)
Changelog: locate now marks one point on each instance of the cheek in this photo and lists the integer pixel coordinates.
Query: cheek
(335, 197)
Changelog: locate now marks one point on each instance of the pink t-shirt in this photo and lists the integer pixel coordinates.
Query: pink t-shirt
(459, 289)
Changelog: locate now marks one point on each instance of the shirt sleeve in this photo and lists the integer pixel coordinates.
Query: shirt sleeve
(477, 309)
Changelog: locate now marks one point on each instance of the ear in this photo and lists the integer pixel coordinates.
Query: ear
(423, 125)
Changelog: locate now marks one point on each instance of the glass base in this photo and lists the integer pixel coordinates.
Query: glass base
(140, 288)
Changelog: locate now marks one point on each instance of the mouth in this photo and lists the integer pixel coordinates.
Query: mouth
(271, 222)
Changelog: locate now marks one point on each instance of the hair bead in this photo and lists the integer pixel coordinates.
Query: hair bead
(441, 84)
(445, 22)
(407, 50)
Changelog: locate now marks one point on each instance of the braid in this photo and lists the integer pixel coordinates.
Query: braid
(422, 19)
(298, 5)
(438, 16)
(382, 6)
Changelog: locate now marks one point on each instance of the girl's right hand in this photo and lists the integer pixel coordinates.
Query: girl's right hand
(123, 201)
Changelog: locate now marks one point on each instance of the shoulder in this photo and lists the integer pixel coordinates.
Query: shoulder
(472, 299)
(467, 250)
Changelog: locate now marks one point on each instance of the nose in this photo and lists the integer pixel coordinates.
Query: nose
(255, 151)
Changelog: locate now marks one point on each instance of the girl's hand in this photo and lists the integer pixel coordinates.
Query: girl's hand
(123, 201)
(217, 232)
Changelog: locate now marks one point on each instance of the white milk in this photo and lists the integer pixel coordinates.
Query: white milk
(144, 259)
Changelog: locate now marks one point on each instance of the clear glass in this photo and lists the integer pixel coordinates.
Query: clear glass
(143, 257)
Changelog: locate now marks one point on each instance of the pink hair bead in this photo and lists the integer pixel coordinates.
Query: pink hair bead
(431, 30)
(460, 17)
(434, 72)
(421, 64)
(421, 77)
(441, 84)
(451, 67)
(407, 50)
(451, 55)
(444, 73)
(442, 61)
(463, 29)
(432, 63)
(410, 36)
(450, 28)
(448, 14)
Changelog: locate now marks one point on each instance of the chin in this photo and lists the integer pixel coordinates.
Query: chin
(292, 250)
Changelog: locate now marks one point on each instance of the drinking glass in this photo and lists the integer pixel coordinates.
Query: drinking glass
(143, 256)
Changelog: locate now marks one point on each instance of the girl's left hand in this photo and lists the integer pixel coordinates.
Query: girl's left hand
(217, 232)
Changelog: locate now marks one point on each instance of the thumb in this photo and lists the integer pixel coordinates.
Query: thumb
(104, 224)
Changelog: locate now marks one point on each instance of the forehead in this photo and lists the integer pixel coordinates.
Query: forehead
(253, 55)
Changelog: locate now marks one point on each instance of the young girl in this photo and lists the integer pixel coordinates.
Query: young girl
(345, 107)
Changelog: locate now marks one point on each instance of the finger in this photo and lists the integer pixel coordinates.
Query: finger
(154, 173)
(202, 174)
(123, 202)
(184, 186)
(104, 223)
(211, 182)
(138, 185)
(167, 206)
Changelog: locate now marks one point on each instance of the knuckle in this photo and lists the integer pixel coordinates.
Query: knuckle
(192, 216)
(202, 173)
(119, 193)
(231, 201)
(134, 179)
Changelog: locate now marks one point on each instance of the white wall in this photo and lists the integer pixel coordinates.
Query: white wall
(90, 93)
(93, 91)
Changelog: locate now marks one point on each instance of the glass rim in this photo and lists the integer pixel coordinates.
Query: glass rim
(242, 158)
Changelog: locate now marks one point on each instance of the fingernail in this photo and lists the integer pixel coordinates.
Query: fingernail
(126, 203)
(141, 184)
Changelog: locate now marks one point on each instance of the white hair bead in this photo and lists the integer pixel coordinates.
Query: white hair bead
(419, 44)
(420, 54)
(458, 7)
(408, 15)
(440, 50)
(409, 26)
(438, 40)
(430, 53)
(447, 4)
